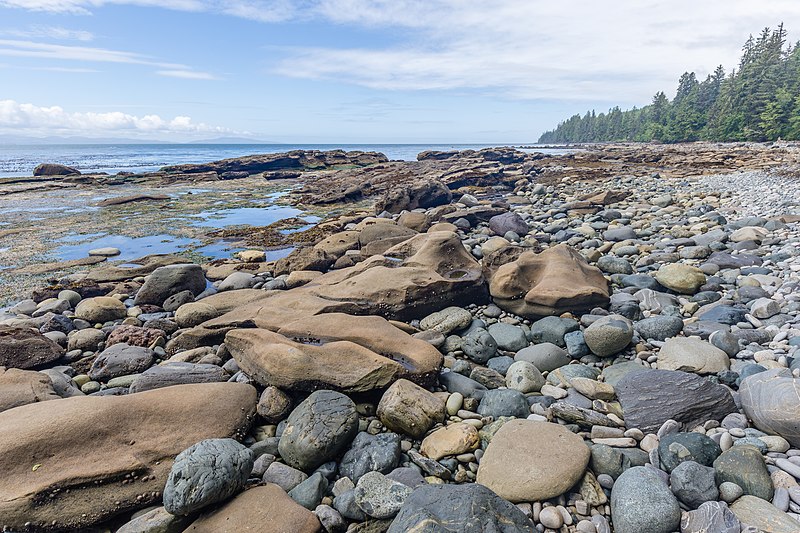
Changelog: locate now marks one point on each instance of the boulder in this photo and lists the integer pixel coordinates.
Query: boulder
(54, 169)
(554, 282)
(21, 387)
(651, 397)
(168, 280)
(333, 350)
(120, 360)
(208, 472)
(641, 501)
(176, 373)
(428, 193)
(530, 461)
(139, 433)
(771, 400)
(681, 278)
(318, 430)
(267, 509)
(691, 354)
(409, 409)
(763, 516)
(26, 348)
(468, 508)
(744, 465)
(100, 309)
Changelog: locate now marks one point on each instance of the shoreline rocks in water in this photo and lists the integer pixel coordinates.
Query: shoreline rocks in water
(513, 342)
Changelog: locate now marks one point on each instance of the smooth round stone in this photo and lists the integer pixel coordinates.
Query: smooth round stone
(503, 402)
(614, 265)
(681, 278)
(744, 465)
(524, 377)
(104, 252)
(730, 492)
(532, 461)
(479, 346)
(545, 356)
(608, 335)
(454, 403)
(659, 328)
(500, 364)
(550, 517)
(509, 338)
(552, 329)
(641, 501)
(100, 309)
(447, 320)
(693, 484)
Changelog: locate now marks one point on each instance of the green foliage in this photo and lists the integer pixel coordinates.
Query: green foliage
(760, 101)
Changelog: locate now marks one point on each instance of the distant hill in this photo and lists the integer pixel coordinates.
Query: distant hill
(758, 102)
(232, 140)
(29, 140)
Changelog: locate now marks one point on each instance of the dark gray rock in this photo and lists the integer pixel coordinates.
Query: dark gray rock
(711, 517)
(693, 484)
(408, 476)
(504, 402)
(651, 397)
(501, 363)
(468, 508)
(508, 337)
(318, 429)
(552, 329)
(576, 344)
(545, 356)
(510, 221)
(211, 471)
(723, 314)
(744, 465)
(659, 328)
(455, 382)
(177, 373)
(679, 447)
(371, 453)
(612, 264)
(609, 461)
(169, 280)
(310, 492)
(345, 503)
(479, 346)
(725, 260)
(641, 501)
(120, 360)
(284, 476)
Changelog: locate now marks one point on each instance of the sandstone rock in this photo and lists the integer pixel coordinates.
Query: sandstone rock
(651, 397)
(408, 408)
(771, 400)
(453, 439)
(553, 282)
(468, 508)
(447, 320)
(429, 193)
(26, 348)
(142, 433)
(54, 169)
(101, 309)
(691, 354)
(267, 509)
(134, 336)
(194, 313)
(21, 387)
(318, 429)
(273, 405)
(532, 461)
(345, 353)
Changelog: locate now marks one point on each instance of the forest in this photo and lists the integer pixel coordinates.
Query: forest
(758, 101)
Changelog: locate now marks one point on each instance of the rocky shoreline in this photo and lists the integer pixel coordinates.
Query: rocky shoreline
(494, 340)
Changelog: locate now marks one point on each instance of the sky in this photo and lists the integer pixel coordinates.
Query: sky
(353, 71)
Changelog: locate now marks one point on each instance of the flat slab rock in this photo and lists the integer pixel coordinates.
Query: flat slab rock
(21, 387)
(50, 480)
(651, 397)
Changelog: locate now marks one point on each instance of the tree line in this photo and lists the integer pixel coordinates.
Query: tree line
(759, 101)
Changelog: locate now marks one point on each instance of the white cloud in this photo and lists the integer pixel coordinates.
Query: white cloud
(49, 32)
(21, 118)
(60, 52)
(186, 74)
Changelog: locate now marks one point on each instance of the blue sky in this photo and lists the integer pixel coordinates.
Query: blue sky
(346, 71)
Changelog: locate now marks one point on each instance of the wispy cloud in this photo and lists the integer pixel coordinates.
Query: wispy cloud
(48, 32)
(30, 118)
(186, 74)
(60, 52)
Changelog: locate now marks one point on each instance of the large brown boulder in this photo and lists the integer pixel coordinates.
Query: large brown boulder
(427, 193)
(26, 348)
(266, 509)
(553, 282)
(21, 387)
(66, 464)
(335, 351)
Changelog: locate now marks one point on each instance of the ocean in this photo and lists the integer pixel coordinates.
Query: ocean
(20, 160)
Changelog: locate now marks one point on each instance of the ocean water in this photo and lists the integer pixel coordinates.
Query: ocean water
(20, 160)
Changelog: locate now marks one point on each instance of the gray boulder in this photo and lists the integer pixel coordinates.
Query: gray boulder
(641, 501)
(169, 280)
(177, 373)
(318, 429)
(469, 508)
(693, 484)
(503, 402)
(479, 346)
(119, 360)
(371, 453)
(211, 471)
